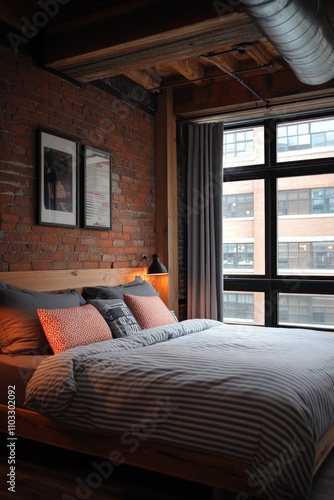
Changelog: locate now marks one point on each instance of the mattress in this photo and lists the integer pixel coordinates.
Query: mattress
(16, 371)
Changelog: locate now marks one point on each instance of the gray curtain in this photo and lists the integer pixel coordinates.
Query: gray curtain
(205, 220)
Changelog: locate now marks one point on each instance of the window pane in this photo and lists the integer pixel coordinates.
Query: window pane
(305, 225)
(305, 140)
(244, 307)
(306, 310)
(243, 147)
(238, 205)
(243, 227)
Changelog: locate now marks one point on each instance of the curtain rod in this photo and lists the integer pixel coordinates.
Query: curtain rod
(263, 112)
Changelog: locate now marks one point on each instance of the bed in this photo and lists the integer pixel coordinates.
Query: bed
(196, 399)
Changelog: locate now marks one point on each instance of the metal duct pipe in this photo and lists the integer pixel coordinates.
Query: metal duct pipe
(301, 32)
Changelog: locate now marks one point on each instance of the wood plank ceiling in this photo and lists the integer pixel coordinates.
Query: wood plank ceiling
(210, 53)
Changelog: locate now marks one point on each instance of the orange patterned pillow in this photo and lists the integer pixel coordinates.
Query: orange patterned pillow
(74, 326)
(149, 311)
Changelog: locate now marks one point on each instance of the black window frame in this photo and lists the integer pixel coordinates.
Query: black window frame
(271, 283)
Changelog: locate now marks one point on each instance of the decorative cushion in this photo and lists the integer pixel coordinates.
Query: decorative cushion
(20, 329)
(137, 287)
(72, 327)
(120, 319)
(149, 311)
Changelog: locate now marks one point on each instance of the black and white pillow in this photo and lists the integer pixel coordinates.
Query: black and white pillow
(120, 319)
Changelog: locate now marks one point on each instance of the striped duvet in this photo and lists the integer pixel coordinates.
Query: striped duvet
(263, 396)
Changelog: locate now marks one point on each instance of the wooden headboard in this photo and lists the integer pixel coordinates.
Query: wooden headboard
(54, 280)
(49, 281)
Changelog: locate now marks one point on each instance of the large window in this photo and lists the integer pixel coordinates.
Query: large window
(278, 222)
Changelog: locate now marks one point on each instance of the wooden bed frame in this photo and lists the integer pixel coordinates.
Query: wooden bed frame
(212, 470)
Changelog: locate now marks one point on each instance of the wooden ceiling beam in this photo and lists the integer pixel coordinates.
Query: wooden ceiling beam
(192, 101)
(262, 57)
(114, 35)
(191, 69)
(111, 39)
(225, 62)
(145, 53)
(146, 79)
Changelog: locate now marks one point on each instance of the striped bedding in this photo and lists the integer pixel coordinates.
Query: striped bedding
(263, 396)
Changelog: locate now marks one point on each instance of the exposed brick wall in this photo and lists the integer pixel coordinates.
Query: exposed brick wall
(32, 98)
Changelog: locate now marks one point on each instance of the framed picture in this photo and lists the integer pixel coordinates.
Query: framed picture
(97, 188)
(58, 180)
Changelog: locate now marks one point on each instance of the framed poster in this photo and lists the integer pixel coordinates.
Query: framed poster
(97, 188)
(58, 180)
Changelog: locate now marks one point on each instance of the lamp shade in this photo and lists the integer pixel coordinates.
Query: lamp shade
(156, 267)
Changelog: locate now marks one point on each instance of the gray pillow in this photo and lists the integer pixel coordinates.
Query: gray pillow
(20, 328)
(137, 287)
(120, 319)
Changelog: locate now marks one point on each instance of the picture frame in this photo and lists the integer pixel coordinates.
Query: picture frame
(97, 186)
(58, 180)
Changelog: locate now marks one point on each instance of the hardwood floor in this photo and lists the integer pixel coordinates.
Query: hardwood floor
(46, 473)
